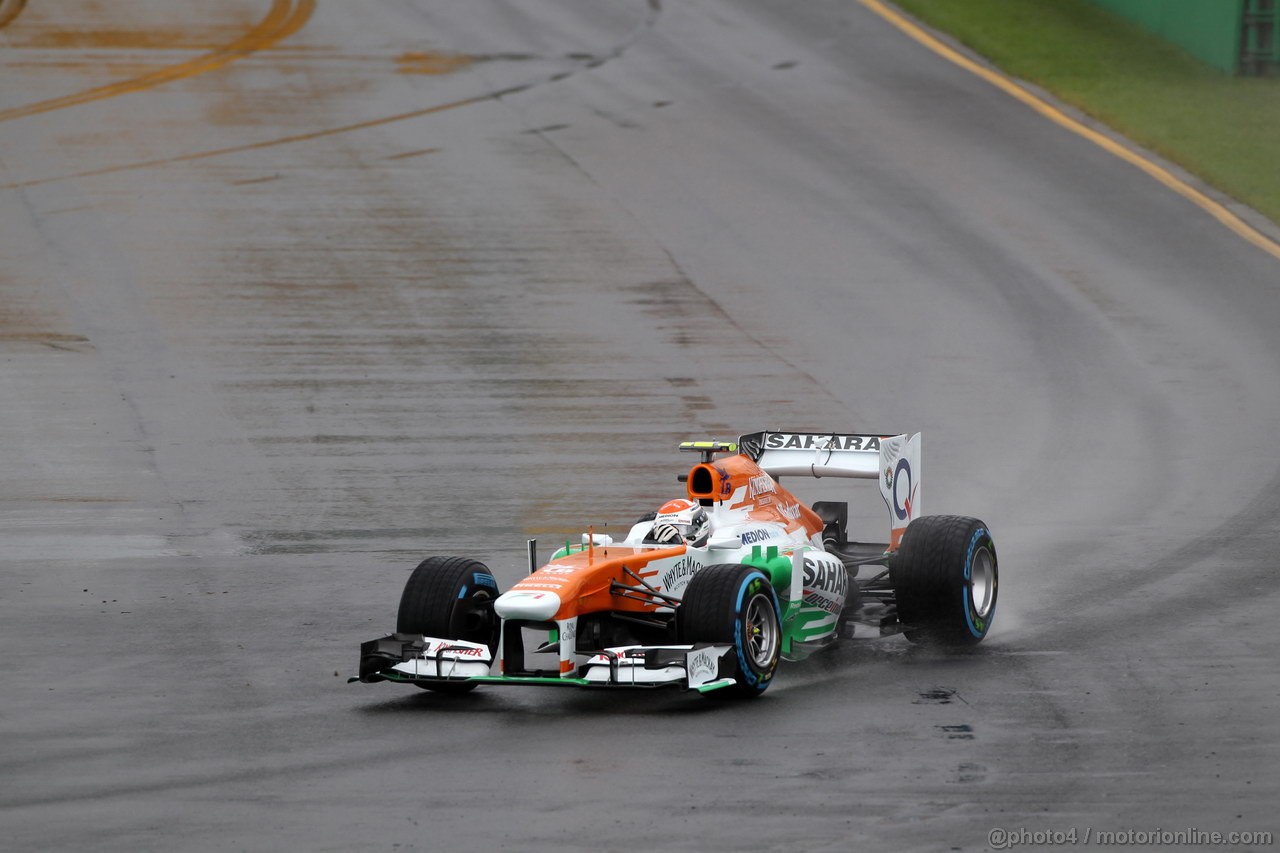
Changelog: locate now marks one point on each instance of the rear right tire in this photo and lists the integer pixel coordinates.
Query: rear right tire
(945, 579)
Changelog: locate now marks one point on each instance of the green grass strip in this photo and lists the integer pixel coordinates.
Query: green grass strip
(1224, 129)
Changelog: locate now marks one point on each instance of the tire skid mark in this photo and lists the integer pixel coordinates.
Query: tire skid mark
(650, 20)
(10, 10)
(283, 19)
(192, 781)
(407, 154)
(268, 143)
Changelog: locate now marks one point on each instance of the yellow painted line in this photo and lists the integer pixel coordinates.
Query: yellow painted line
(10, 10)
(1057, 116)
(283, 19)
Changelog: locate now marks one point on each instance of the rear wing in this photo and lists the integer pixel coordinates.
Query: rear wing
(893, 460)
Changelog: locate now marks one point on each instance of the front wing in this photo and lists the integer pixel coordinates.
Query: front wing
(425, 661)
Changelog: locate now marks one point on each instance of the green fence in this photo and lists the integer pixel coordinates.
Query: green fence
(1235, 36)
(1260, 47)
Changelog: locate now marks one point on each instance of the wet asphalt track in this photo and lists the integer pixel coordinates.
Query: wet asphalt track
(302, 300)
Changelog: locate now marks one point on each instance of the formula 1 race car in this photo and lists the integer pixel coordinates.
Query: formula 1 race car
(709, 592)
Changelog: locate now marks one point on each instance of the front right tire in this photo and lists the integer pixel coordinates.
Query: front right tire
(450, 598)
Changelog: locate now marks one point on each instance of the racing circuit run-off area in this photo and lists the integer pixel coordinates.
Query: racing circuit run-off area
(617, 424)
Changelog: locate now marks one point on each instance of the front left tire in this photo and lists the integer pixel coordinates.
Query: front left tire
(735, 605)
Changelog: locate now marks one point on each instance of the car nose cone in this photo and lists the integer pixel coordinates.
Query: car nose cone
(529, 605)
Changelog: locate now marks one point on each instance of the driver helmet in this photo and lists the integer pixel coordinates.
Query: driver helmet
(681, 520)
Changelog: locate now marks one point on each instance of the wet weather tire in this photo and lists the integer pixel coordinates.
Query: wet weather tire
(450, 598)
(945, 580)
(735, 605)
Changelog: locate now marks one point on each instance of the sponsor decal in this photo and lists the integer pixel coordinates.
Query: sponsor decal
(569, 631)
(540, 585)
(702, 666)
(751, 537)
(484, 579)
(803, 441)
(451, 649)
(678, 575)
(726, 487)
(832, 578)
(823, 603)
(791, 511)
(676, 506)
(554, 569)
(902, 505)
(760, 485)
(888, 478)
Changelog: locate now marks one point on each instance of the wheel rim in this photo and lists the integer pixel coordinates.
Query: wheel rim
(761, 631)
(982, 582)
(474, 621)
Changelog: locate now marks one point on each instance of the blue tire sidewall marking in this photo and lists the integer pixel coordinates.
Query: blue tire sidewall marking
(462, 593)
(752, 678)
(967, 589)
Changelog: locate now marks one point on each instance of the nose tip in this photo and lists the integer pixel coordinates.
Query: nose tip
(529, 605)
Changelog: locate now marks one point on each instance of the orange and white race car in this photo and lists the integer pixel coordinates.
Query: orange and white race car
(709, 592)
